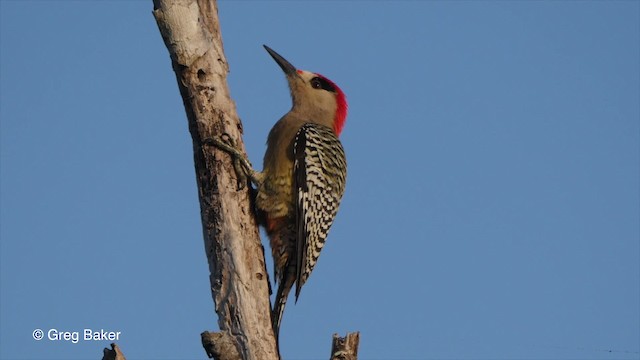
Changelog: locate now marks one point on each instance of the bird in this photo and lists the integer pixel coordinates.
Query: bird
(299, 190)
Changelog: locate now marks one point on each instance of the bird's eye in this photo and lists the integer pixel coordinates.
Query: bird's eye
(315, 83)
(319, 82)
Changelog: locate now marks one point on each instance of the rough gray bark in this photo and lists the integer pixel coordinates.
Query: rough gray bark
(191, 32)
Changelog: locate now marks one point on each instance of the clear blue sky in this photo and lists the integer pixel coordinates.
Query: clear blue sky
(492, 204)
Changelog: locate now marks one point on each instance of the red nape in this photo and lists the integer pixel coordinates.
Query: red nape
(341, 111)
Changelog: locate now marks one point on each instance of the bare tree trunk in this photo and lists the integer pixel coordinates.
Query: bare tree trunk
(239, 282)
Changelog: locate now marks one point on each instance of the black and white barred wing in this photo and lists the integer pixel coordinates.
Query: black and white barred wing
(320, 171)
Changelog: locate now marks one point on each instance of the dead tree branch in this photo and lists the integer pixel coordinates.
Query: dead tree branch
(345, 348)
(191, 32)
(113, 354)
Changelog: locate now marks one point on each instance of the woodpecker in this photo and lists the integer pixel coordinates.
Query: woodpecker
(303, 179)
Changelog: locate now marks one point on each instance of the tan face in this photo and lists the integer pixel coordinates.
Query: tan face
(313, 93)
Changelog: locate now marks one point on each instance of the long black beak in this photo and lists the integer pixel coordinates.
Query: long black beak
(284, 64)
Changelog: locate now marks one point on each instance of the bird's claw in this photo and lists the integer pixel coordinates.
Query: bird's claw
(226, 143)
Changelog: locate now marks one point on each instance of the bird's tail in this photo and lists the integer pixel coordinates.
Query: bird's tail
(281, 300)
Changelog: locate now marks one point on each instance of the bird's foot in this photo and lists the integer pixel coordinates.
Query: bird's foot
(241, 164)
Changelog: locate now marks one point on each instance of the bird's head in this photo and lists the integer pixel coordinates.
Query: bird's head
(314, 95)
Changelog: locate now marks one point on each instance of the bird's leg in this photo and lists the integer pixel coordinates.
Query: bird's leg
(241, 164)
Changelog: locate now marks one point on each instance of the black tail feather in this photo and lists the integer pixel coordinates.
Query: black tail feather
(278, 307)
